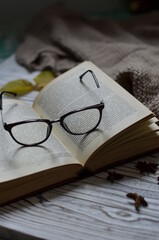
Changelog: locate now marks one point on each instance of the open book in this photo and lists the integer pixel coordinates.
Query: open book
(127, 129)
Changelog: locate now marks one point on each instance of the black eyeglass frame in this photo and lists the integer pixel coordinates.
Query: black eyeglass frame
(100, 106)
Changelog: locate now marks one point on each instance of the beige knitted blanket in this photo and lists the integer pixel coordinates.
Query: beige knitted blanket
(59, 38)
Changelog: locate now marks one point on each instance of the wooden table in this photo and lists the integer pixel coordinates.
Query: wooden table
(91, 208)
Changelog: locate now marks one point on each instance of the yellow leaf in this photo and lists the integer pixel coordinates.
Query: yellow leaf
(20, 87)
(43, 79)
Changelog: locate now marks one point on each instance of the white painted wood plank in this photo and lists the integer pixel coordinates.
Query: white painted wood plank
(92, 208)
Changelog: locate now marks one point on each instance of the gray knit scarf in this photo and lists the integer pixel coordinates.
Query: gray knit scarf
(128, 51)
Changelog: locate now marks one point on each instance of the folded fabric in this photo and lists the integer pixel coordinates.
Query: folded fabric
(128, 51)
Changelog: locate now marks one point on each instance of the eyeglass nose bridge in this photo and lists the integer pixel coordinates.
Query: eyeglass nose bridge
(55, 121)
(60, 120)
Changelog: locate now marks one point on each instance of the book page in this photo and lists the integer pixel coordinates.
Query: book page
(18, 161)
(67, 93)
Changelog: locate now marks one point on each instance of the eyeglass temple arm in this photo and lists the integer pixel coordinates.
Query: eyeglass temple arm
(1, 102)
(95, 79)
(1, 94)
(94, 76)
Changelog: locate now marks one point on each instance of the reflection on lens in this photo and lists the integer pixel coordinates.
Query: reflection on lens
(30, 133)
(83, 121)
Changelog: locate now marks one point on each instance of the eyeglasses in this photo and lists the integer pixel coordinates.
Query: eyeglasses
(77, 122)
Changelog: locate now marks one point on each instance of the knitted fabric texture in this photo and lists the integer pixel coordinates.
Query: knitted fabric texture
(128, 51)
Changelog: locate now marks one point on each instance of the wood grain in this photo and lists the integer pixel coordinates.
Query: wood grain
(92, 208)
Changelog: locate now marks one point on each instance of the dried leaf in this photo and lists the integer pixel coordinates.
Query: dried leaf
(139, 200)
(143, 201)
(19, 86)
(132, 195)
(137, 203)
(43, 79)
